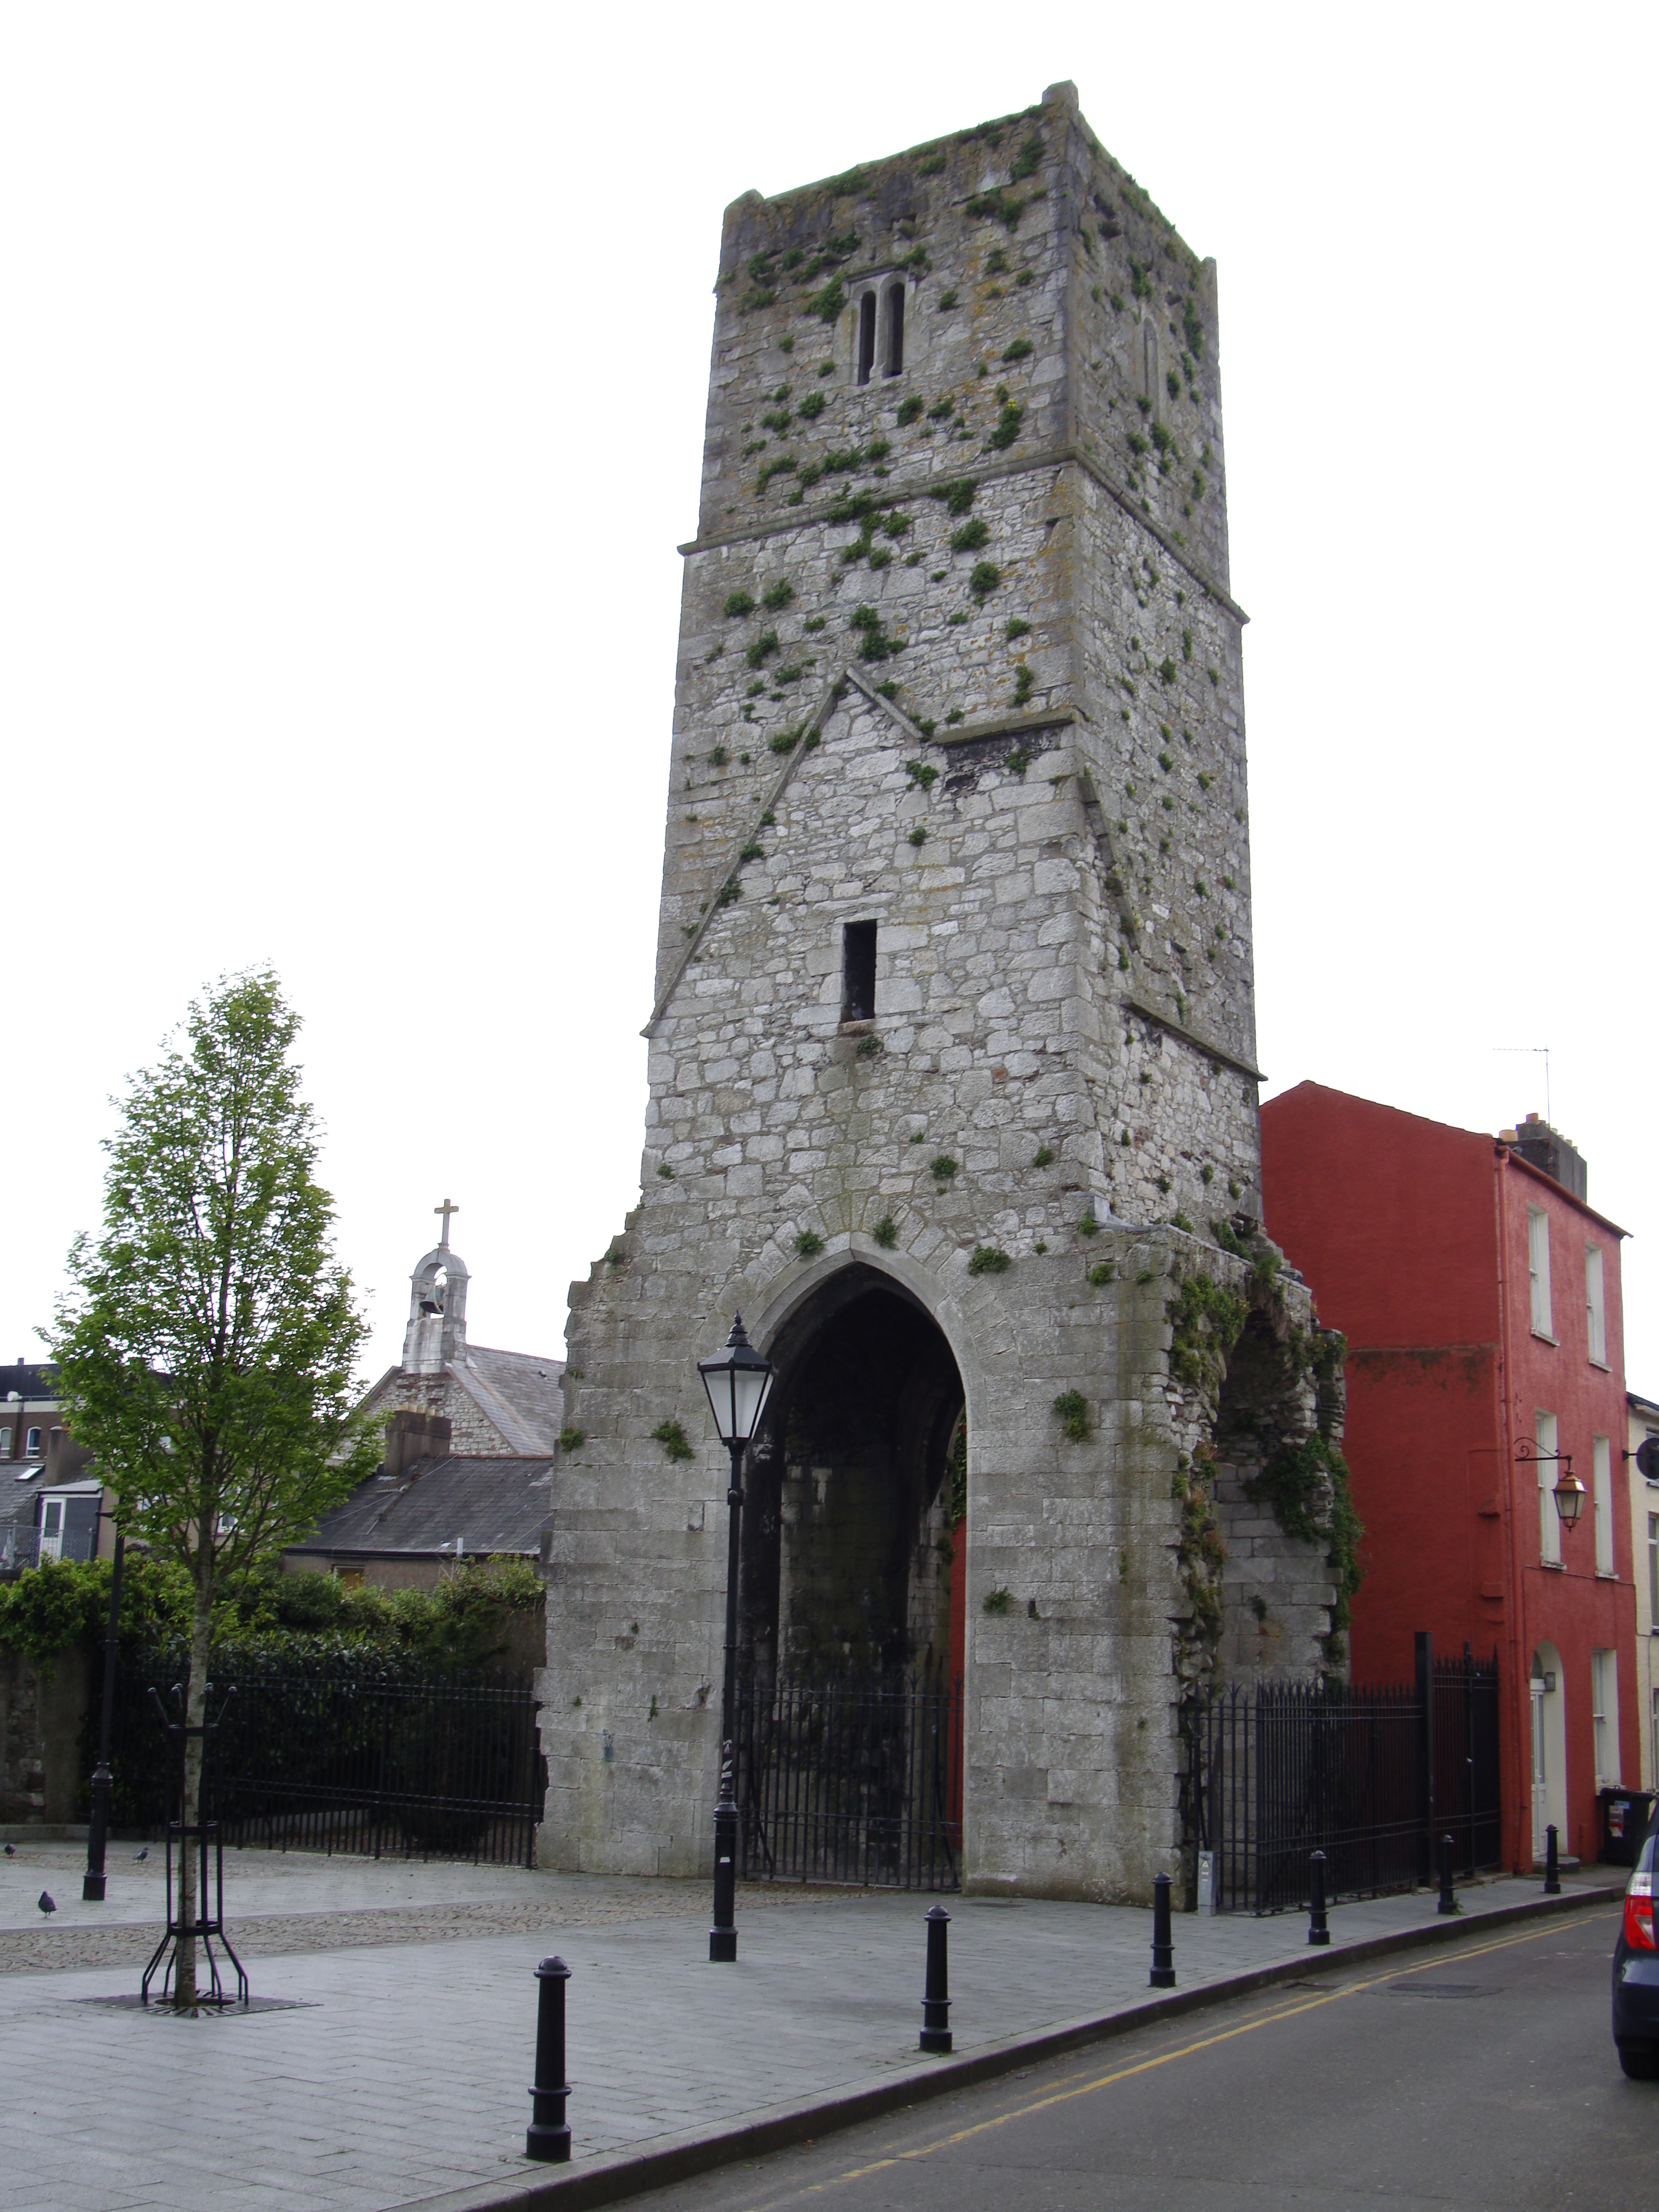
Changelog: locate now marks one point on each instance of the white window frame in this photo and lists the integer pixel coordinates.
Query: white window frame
(1596, 1304)
(1538, 1267)
(53, 1511)
(1601, 1492)
(1549, 1520)
(32, 1443)
(1604, 1698)
(1653, 1571)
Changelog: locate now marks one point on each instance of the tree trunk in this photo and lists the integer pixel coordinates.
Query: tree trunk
(195, 1711)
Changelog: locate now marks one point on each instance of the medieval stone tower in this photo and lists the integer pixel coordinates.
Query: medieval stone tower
(953, 1082)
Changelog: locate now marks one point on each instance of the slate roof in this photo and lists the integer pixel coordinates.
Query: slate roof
(492, 1505)
(38, 1382)
(520, 1386)
(521, 1392)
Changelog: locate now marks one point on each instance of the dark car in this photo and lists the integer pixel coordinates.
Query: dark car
(1635, 1970)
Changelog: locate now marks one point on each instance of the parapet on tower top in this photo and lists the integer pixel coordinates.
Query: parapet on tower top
(895, 269)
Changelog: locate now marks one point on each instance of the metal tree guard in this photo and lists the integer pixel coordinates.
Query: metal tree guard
(200, 1834)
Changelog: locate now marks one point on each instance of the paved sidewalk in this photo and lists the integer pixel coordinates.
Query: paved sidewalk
(404, 2076)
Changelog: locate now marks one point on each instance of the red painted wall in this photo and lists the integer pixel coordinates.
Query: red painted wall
(1412, 1236)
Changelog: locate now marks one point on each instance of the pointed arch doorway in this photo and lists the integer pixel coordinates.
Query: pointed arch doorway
(850, 1613)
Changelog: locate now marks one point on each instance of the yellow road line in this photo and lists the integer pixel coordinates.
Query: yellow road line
(1164, 2058)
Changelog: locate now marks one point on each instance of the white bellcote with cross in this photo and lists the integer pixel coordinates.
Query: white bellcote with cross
(436, 1334)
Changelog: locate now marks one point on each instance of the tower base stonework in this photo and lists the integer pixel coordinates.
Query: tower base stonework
(953, 1091)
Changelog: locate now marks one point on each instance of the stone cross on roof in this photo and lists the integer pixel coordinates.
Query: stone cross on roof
(446, 1209)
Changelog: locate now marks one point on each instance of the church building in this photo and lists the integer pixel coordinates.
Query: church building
(471, 1448)
(495, 1402)
(953, 1079)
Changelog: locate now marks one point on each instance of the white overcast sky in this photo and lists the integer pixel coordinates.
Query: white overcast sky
(352, 367)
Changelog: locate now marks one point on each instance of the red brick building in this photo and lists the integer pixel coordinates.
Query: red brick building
(1480, 1295)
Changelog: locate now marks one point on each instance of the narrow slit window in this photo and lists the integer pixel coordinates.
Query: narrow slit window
(858, 972)
(893, 363)
(866, 336)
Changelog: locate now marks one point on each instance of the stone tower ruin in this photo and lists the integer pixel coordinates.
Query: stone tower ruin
(952, 1065)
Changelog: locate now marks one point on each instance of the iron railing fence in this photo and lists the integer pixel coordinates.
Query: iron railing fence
(854, 1779)
(1371, 1775)
(20, 1546)
(340, 1754)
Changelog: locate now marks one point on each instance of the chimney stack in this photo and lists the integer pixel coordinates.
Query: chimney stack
(412, 1435)
(1545, 1149)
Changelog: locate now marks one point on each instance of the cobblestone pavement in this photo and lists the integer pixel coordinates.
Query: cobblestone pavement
(405, 2074)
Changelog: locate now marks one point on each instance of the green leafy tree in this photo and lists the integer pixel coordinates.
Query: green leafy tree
(209, 1339)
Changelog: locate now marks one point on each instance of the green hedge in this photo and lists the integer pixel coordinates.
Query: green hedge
(462, 1623)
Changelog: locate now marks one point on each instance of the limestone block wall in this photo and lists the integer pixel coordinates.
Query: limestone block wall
(958, 664)
(472, 1433)
(41, 1715)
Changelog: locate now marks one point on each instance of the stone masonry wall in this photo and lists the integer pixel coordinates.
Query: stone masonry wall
(473, 1435)
(946, 671)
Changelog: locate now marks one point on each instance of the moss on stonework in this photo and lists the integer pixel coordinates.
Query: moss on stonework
(1307, 1487)
(1201, 1552)
(1206, 1323)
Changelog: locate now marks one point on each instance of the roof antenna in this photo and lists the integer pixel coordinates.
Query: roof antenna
(1535, 1052)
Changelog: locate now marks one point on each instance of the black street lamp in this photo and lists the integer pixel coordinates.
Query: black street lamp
(739, 1382)
(92, 1882)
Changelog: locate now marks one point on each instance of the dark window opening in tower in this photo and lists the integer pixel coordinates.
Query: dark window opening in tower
(866, 336)
(1149, 361)
(895, 363)
(858, 972)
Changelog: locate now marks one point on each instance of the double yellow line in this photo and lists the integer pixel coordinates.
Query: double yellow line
(1267, 2019)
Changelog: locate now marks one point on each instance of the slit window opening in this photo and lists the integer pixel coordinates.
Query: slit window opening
(893, 363)
(867, 336)
(858, 972)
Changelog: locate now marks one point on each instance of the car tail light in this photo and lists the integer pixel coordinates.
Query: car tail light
(1638, 1914)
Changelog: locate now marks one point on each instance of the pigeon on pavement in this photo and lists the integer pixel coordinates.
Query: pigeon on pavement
(10, 1853)
(47, 1902)
(144, 1853)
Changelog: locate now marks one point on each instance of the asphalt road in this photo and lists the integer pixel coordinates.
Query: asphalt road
(1482, 2077)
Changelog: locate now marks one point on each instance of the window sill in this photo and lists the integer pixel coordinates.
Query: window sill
(1554, 1566)
(1542, 1336)
(1606, 1574)
(1602, 1366)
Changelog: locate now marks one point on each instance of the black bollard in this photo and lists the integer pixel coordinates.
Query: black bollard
(723, 1936)
(1319, 1929)
(1552, 1864)
(1448, 1902)
(547, 2136)
(1163, 1976)
(936, 1998)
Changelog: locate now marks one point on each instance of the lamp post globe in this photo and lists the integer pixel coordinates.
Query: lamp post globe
(739, 1382)
(1570, 1495)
